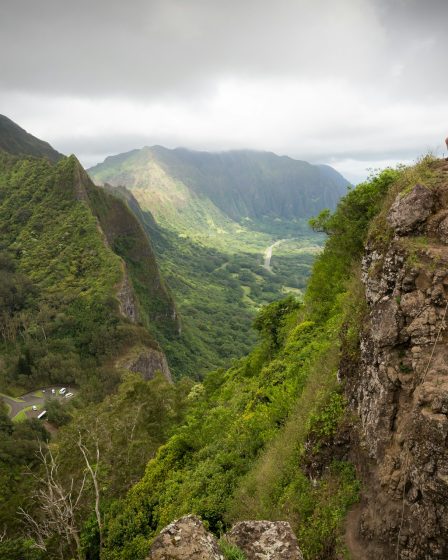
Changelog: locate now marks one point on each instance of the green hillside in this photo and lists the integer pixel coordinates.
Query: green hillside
(61, 320)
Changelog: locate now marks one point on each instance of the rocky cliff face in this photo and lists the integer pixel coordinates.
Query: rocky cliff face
(146, 361)
(400, 389)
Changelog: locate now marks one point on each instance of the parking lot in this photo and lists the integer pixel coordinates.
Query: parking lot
(31, 404)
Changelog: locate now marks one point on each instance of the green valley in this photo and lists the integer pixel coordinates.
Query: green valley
(211, 217)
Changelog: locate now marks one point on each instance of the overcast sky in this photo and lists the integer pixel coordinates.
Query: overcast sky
(357, 84)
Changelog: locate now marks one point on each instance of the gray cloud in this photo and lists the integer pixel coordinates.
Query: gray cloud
(351, 80)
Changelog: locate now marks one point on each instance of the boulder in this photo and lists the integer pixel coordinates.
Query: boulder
(265, 540)
(410, 210)
(185, 539)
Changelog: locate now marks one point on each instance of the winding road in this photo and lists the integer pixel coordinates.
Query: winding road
(268, 254)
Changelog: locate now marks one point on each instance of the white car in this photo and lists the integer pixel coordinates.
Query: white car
(62, 391)
(34, 407)
(68, 395)
(53, 391)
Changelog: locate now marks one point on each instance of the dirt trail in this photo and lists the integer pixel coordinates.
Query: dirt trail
(357, 551)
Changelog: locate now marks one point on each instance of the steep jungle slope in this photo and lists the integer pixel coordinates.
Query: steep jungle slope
(215, 192)
(68, 305)
(273, 437)
(216, 314)
(15, 140)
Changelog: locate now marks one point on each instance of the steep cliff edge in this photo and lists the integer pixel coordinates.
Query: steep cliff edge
(399, 388)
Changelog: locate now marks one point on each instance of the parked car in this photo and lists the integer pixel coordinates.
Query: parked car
(34, 407)
(62, 391)
(42, 414)
(53, 391)
(68, 395)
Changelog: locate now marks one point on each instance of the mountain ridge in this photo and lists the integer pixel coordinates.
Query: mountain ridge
(185, 188)
(17, 141)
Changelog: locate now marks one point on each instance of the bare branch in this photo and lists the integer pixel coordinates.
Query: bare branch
(94, 474)
(57, 506)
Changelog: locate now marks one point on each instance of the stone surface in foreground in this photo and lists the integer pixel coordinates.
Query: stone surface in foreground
(185, 539)
(265, 540)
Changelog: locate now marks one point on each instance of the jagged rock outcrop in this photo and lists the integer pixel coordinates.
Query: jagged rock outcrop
(265, 540)
(400, 389)
(147, 362)
(410, 210)
(185, 539)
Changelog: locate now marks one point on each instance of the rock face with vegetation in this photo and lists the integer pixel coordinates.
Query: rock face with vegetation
(147, 362)
(90, 280)
(400, 390)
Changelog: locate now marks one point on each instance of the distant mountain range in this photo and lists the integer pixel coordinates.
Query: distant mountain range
(188, 189)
